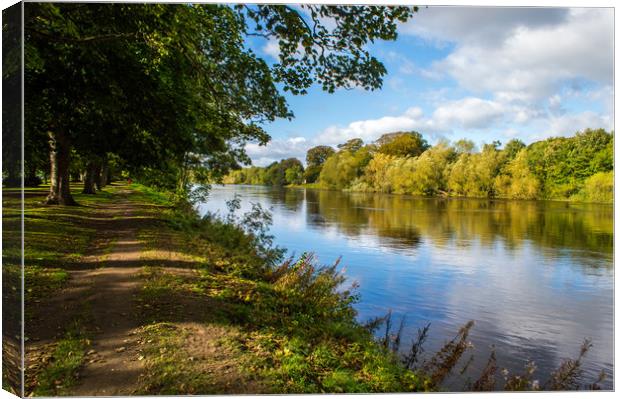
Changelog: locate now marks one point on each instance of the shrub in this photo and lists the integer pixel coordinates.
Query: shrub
(598, 188)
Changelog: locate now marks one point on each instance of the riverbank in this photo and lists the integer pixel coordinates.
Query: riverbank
(318, 186)
(131, 294)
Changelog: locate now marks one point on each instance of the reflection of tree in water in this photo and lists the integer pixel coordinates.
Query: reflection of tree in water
(354, 215)
(291, 199)
(459, 222)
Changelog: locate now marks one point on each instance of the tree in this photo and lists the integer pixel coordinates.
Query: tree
(429, 175)
(332, 53)
(512, 148)
(563, 163)
(312, 173)
(351, 145)
(520, 182)
(402, 144)
(294, 175)
(174, 90)
(599, 187)
(343, 167)
(316, 156)
(293, 170)
(11, 97)
(464, 146)
(376, 172)
(275, 175)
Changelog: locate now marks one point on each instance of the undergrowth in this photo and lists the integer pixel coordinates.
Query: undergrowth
(61, 373)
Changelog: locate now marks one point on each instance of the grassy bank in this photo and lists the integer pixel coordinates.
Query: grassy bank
(217, 309)
(278, 329)
(218, 314)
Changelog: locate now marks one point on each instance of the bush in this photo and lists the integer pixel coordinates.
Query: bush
(598, 188)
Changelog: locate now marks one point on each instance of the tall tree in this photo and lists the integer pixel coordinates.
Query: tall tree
(318, 155)
(402, 144)
(352, 145)
(315, 158)
(169, 88)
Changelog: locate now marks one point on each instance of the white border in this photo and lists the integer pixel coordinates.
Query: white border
(487, 3)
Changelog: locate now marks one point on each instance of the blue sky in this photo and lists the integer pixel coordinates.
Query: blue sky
(466, 72)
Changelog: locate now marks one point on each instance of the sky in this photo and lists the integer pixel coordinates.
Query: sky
(481, 73)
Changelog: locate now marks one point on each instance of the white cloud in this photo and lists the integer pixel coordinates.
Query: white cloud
(532, 62)
(569, 124)
(468, 113)
(272, 48)
(278, 149)
(478, 24)
(371, 129)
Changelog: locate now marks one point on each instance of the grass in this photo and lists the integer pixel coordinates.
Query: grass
(291, 327)
(169, 366)
(55, 239)
(218, 318)
(165, 360)
(62, 372)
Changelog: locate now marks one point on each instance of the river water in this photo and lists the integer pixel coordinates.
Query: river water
(536, 277)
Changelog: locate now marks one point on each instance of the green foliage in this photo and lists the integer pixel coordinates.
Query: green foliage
(376, 174)
(402, 144)
(429, 176)
(316, 156)
(312, 173)
(519, 182)
(577, 168)
(598, 188)
(562, 164)
(333, 56)
(294, 174)
(173, 91)
(342, 168)
(512, 148)
(352, 145)
(473, 175)
(556, 168)
(287, 171)
(275, 174)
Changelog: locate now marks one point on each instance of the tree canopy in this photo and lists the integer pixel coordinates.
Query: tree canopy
(402, 144)
(577, 168)
(175, 91)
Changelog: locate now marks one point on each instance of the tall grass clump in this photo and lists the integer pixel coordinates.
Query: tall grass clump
(435, 370)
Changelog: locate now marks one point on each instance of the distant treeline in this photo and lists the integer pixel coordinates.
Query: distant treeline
(575, 168)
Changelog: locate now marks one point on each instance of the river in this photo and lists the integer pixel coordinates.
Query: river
(536, 277)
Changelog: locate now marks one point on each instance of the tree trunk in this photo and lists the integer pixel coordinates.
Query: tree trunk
(89, 178)
(97, 176)
(103, 176)
(60, 191)
(76, 177)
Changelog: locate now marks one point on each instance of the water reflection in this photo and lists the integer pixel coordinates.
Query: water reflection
(404, 220)
(537, 277)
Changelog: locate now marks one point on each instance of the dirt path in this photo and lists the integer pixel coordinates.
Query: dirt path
(105, 295)
(112, 367)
